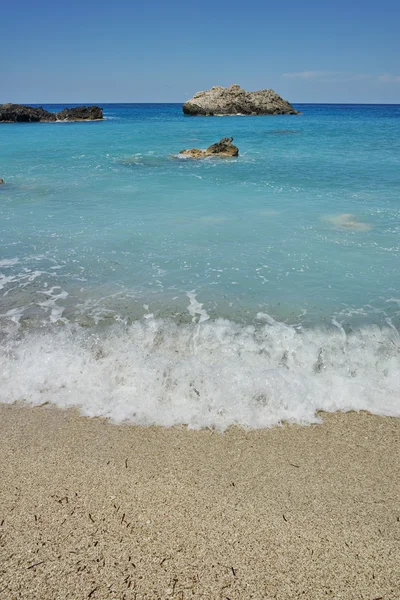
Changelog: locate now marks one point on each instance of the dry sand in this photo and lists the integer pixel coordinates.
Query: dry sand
(93, 510)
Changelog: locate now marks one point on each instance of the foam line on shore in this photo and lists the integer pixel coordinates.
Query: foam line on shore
(209, 374)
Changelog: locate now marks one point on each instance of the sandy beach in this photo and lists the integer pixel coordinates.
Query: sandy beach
(89, 509)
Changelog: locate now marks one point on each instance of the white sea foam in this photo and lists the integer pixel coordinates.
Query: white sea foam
(195, 308)
(5, 280)
(8, 262)
(54, 310)
(22, 279)
(14, 314)
(209, 374)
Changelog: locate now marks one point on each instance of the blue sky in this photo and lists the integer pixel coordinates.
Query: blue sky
(125, 51)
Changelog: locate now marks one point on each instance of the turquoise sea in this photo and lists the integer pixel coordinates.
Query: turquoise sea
(146, 287)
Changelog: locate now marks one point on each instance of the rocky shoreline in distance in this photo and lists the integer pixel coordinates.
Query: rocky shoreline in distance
(234, 100)
(19, 113)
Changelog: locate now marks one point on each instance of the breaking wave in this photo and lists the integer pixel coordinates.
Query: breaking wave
(203, 374)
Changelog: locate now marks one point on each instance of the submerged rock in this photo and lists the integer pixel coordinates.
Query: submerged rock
(234, 100)
(224, 148)
(81, 113)
(347, 221)
(19, 113)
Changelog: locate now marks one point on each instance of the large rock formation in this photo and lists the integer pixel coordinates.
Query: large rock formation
(233, 100)
(224, 148)
(18, 113)
(81, 113)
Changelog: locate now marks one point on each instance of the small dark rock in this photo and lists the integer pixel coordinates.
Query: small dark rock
(81, 113)
(224, 148)
(18, 113)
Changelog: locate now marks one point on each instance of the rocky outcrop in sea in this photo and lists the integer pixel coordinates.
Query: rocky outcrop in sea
(19, 113)
(81, 113)
(234, 100)
(224, 148)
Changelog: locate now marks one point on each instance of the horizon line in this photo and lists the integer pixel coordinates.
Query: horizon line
(181, 103)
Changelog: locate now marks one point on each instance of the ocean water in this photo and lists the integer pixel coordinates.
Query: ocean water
(149, 288)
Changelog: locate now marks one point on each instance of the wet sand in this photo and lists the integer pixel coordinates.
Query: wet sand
(93, 510)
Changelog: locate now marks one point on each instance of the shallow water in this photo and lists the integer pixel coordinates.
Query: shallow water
(246, 290)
